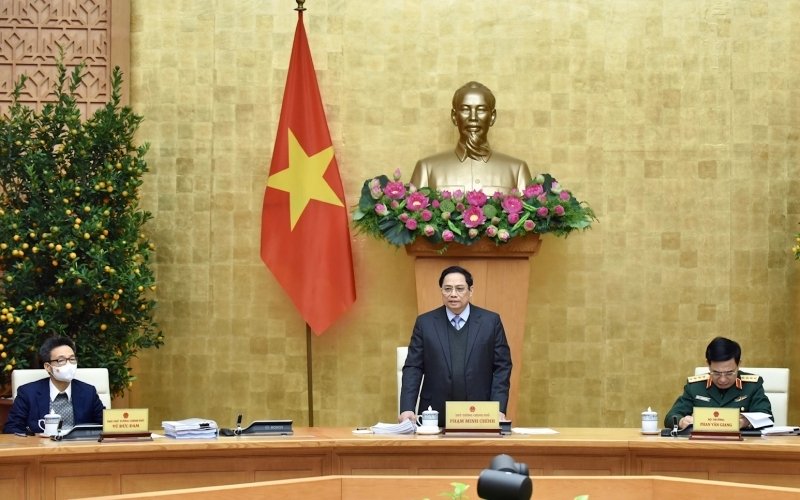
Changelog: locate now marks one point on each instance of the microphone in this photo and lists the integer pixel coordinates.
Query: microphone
(58, 435)
(674, 432)
(238, 430)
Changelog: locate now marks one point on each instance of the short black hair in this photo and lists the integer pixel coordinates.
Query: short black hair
(722, 349)
(456, 269)
(50, 344)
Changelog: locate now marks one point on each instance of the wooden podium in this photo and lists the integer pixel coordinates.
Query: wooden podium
(501, 275)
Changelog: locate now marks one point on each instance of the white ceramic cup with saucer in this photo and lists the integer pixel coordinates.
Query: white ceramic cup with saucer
(49, 424)
(428, 422)
(650, 422)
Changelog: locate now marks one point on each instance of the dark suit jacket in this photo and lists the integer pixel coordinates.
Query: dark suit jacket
(33, 402)
(488, 362)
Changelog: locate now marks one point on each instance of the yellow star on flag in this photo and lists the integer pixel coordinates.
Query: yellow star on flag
(304, 180)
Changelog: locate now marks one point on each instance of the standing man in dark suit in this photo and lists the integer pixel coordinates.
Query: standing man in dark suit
(461, 349)
(77, 402)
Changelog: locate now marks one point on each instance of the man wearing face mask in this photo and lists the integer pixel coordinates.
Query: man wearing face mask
(77, 402)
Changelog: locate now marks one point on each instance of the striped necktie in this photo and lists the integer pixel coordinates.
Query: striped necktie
(457, 322)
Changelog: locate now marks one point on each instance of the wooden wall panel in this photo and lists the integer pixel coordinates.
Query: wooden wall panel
(96, 32)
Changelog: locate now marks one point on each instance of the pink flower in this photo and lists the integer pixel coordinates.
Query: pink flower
(513, 218)
(528, 225)
(458, 194)
(381, 209)
(435, 203)
(564, 195)
(429, 230)
(542, 211)
(559, 210)
(511, 205)
(426, 215)
(503, 235)
(498, 195)
(397, 174)
(476, 198)
(416, 202)
(473, 233)
(411, 224)
(491, 231)
(395, 190)
(403, 217)
(394, 205)
(474, 217)
(446, 195)
(459, 207)
(447, 235)
(542, 198)
(375, 189)
(533, 191)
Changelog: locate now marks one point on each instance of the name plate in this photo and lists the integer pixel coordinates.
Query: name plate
(472, 416)
(124, 421)
(716, 420)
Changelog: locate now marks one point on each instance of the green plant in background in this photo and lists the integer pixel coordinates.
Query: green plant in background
(73, 258)
(458, 493)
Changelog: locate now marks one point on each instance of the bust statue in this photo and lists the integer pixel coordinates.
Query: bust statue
(472, 166)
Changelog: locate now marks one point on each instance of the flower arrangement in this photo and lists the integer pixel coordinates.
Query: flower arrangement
(399, 212)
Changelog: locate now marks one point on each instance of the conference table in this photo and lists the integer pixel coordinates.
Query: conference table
(34, 467)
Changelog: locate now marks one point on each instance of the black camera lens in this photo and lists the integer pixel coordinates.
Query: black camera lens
(505, 463)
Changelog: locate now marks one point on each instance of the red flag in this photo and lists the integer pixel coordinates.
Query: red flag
(305, 239)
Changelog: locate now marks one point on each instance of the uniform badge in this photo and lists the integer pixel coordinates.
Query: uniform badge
(702, 398)
(740, 398)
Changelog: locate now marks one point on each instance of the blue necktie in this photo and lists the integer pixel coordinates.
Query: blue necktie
(457, 322)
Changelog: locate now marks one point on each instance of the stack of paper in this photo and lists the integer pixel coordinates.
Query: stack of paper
(405, 427)
(781, 430)
(533, 430)
(758, 419)
(190, 428)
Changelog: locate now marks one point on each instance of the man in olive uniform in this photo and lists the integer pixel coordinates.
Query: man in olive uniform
(724, 387)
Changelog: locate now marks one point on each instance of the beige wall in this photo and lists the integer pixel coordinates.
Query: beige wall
(678, 120)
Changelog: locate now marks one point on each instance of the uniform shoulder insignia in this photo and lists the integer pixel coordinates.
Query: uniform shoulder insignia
(698, 378)
(748, 378)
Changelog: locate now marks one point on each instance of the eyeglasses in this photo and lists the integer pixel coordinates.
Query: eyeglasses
(460, 290)
(63, 361)
(727, 374)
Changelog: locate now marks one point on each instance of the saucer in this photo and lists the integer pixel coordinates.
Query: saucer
(651, 433)
(428, 430)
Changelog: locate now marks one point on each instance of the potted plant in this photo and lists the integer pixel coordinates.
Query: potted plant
(74, 259)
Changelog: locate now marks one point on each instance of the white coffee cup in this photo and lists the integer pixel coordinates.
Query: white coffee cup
(650, 422)
(49, 424)
(429, 418)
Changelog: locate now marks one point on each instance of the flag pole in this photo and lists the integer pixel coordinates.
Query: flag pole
(309, 368)
(309, 375)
